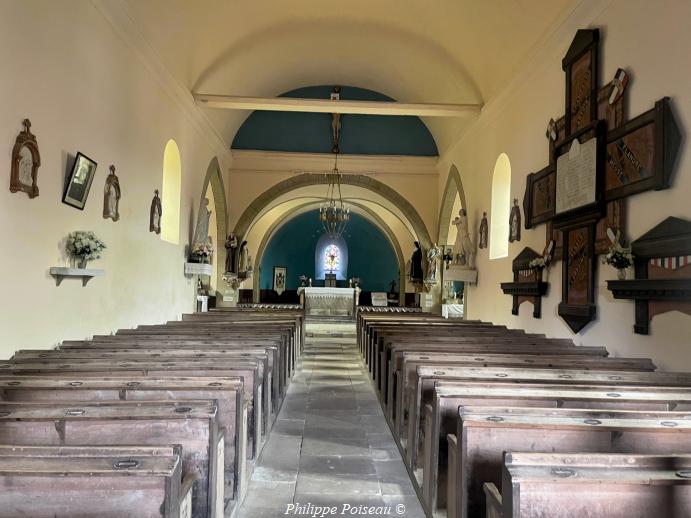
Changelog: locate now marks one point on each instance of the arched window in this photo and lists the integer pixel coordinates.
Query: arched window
(332, 259)
(170, 195)
(501, 208)
(331, 256)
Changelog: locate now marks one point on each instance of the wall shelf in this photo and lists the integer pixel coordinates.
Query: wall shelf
(526, 289)
(527, 285)
(199, 269)
(85, 274)
(651, 289)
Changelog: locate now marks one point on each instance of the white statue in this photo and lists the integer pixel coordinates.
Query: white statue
(201, 232)
(463, 247)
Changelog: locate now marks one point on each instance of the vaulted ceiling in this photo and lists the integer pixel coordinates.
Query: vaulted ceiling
(440, 51)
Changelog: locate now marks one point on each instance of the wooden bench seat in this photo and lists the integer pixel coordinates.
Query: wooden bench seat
(422, 390)
(404, 376)
(448, 397)
(227, 392)
(249, 371)
(192, 424)
(44, 482)
(485, 433)
(589, 485)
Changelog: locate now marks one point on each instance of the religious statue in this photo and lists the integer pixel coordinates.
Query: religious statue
(231, 246)
(111, 196)
(432, 257)
(484, 231)
(242, 257)
(201, 232)
(463, 248)
(155, 214)
(416, 274)
(515, 222)
(335, 132)
(26, 160)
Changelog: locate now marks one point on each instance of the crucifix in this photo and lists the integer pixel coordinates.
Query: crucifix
(596, 161)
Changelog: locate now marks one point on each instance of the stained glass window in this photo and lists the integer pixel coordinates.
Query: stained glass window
(332, 259)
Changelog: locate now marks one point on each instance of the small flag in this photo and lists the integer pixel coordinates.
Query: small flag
(621, 79)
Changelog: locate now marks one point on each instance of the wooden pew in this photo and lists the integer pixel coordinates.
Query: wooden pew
(249, 371)
(448, 397)
(410, 362)
(590, 485)
(421, 393)
(475, 343)
(49, 481)
(227, 392)
(192, 424)
(486, 432)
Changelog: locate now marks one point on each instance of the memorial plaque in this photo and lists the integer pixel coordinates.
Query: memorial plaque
(578, 283)
(640, 154)
(576, 182)
(581, 67)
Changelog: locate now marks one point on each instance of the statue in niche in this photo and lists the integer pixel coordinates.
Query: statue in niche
(416, 275)
(484, 231)
(515, 222)
(432, 258)
(201, 232)
(242, 257)
(463, 249)
(231, 246)
(111, 196)
(155, 214)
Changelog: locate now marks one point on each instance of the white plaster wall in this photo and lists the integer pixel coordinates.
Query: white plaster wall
(651, 40)
(85, 90)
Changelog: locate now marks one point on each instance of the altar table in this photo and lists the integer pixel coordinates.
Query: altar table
(328, 301)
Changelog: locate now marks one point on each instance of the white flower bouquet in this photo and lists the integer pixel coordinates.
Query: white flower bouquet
(538, 263)
(619, 257)
(84, 246)
(203, 251)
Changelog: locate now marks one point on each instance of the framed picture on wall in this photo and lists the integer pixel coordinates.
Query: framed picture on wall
(280, 273)
(79, 181)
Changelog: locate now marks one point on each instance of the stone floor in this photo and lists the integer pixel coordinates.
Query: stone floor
(330, 446)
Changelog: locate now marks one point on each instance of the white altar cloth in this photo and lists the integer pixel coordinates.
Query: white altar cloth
(452, 310)
(328, 301)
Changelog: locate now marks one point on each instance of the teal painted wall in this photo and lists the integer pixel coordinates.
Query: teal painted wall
(311, 132)
(370, 255)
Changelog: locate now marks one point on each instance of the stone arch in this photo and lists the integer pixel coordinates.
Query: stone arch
(368, 213)
(307, 179)
(454, 185)
(214, 178)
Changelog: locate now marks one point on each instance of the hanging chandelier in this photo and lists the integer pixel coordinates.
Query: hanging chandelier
(333, 213)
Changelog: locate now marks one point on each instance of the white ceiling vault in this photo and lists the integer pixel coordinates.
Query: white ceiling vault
(415, 51)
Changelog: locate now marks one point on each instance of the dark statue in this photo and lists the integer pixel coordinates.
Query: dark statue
(416, 275)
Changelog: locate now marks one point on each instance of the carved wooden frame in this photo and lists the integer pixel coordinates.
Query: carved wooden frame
(28, 140)
(584, 45)
(666, 139)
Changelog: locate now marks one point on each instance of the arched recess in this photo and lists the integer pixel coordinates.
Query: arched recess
(365, 211)
(307, 179)
(214, 180)
(454, 186)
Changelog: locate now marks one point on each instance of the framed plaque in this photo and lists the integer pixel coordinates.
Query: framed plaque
(578, 276)
(579, 174)
(581, 67)
(640, 154)
(539, 198)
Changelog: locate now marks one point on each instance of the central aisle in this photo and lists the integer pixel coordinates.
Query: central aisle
(331, 445)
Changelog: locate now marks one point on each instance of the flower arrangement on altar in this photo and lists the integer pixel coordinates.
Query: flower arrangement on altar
(303, 280)
(84, 247)
(203, 252)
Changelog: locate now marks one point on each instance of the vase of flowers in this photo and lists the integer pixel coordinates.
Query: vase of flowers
(84, 247)
(539, 263)
(620, 258)
(202, 252)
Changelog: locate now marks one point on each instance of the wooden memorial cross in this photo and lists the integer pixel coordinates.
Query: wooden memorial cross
(596, 161)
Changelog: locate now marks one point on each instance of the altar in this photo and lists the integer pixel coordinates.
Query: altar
(328, 301)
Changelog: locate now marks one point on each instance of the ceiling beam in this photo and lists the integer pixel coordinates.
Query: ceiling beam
(292, 104)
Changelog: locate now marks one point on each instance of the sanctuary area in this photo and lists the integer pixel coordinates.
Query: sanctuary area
(392, 258)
